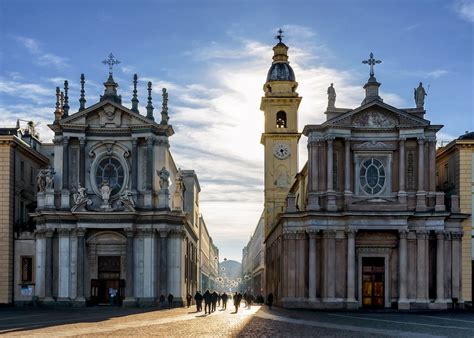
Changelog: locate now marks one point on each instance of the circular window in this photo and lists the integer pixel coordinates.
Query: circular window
(372, 176)
(110, 170)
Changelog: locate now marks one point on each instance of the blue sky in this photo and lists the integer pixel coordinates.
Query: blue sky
(213, 57)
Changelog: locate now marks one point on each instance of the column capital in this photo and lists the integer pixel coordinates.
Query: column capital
(351, 232)
(82, 141)
(180, 233)
(129, 232)
(329, 234)
(49, 233)
(64, 232)
(422, 234)
(66, 140)
(440, 234)
(81, 232)
(40, 233)
(289, 234)
(314, 141)
(134, 141)
(456, 236)
(150, 141)
(421, 140)
(312, 233)
(163, 233)
(347, 139)
(403, 233)
(300, 234)
(402, 139)
(330, 139)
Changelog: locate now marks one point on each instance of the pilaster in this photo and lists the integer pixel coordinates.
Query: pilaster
(403, 303)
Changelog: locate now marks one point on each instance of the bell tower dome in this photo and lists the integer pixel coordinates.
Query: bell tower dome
(280, 137)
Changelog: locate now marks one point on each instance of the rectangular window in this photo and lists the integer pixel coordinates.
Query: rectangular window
(26, 269)
(22, 170)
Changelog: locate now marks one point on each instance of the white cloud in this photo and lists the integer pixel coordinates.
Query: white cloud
(465, 9)
(437, 73)
(42, 58)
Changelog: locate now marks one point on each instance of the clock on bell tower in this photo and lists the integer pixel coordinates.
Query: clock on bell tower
(280, 137)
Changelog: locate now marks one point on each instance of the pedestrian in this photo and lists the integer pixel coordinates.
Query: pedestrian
(170, 301)
(219, 297)
(189, 299)
(162, 301)
(224, 300)
(112, 294)
(249, 301)
(198, 298)
(270, 300)
(207, 302)
(214, 300)
(237, 300)
(246, 299)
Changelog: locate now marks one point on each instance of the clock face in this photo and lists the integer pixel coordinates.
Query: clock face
(281, 151)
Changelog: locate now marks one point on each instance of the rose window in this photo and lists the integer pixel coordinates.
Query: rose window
(372, 176)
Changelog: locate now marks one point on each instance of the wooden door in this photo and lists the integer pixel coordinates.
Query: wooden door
(373, 282)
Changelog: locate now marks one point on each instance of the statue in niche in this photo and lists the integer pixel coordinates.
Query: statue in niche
(331, 96)
(420, 94)
(164, 178)
(105, 192)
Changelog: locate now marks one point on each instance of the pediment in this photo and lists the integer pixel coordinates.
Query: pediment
(107, 114)
(377, 115)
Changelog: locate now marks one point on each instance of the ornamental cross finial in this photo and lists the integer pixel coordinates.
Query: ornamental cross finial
(371, 62)
(111, 61)
(280, 35)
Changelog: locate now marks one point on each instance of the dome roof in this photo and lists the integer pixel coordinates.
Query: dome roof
(467, 136)
(280, 71)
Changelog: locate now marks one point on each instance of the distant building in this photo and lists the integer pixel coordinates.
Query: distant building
(111, 211)
(455, 176)
(361, 225)
(208, 259)
(253, 261)
(20, 162)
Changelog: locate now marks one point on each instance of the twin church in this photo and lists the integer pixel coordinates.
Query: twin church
(361, 224)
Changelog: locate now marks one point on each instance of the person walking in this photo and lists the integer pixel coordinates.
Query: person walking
(170, 301)
(198, 298)
(270, 300)
(214, 300)
(189, 299)
(224, 300)
(237, 300)
(162, 301)
(207, 302)
(219, 297)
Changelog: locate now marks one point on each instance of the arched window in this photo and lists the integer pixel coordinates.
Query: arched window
(281, 119)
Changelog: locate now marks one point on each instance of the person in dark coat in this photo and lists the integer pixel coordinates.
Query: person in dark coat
(189, 299)
(214, 300)
(237, 300)
(170, 300)
(224, 300)
(207, 302)
(162, 301)
(270, 300)
(219, 297)
(198, 298)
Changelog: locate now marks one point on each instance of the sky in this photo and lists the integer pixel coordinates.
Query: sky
(213, 57)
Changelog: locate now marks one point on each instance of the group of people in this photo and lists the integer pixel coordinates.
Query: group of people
(211, 301)
(170, 301)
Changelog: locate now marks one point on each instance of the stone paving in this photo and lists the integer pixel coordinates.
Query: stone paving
(255, 322)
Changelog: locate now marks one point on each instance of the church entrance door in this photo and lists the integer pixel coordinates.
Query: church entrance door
(109, 281)
(373, 279)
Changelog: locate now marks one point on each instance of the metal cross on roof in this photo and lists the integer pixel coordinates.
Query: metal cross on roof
(371, 62)
(111, 61)
(279, 37)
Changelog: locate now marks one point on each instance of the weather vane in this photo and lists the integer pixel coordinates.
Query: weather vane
(371, 62)
(280, 35)
(111, 61)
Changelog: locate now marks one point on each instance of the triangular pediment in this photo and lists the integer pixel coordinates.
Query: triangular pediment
(377, 115)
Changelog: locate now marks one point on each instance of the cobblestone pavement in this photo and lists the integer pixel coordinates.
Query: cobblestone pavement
(256, 322)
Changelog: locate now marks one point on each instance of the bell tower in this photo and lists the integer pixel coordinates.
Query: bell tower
(280, 137)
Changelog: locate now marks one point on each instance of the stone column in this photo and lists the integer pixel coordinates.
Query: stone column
(403, 270)
(312, 265)
(456, 265)
(330, 273)
(129, 283)
(421, 194)
(313, 172)
(64, 264)
(421, 267)
(82, 161)
(81, 251)
(347, 171)
(331, 197)
(65, 162)
(149, 162)
(134, 163)
(49, 265)
(402, 195)
(432, 166)
(40, 262)
(440, 267)
(351, 265)
(163, 260)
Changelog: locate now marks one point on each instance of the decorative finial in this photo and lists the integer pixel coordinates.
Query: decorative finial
(280, 35)
(82, 100)
(66, 99)
(111, 61)
(149, 106)
(134, 98)
(371, 62)
(164, 108)
(58, 112)
(61, 98)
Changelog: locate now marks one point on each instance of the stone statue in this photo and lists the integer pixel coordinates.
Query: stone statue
(420, 94)
(49, 178)
(80, 195)
(40, 181)
(177, 202)
(331, 96)
(179, 182)
(164, 178)
(105, 192)
(127, 199)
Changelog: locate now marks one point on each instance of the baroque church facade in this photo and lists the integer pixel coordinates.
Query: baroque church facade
(361, 224)
(113, 209)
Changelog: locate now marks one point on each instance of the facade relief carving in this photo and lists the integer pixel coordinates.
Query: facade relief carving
(374, 119)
